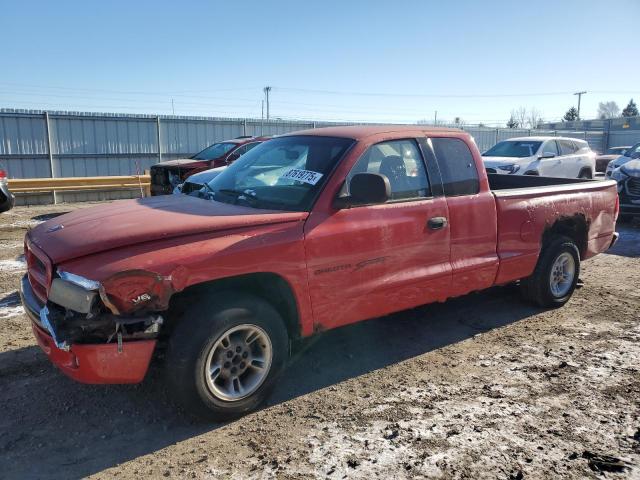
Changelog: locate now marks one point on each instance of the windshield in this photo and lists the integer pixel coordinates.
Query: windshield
(214, 151)
(511, 148)
(283, 174)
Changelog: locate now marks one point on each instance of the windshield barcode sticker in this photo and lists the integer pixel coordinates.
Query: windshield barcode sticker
(306, 176)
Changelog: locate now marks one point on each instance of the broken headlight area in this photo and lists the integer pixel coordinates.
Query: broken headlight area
(68, 327)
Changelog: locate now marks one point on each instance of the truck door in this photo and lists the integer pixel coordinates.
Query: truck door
(472, 217)
(369, 261)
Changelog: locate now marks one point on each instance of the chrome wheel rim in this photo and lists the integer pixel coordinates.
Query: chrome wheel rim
(563, 272)
(238, 362)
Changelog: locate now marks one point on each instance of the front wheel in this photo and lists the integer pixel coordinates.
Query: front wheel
(225, 355)
(556, 274)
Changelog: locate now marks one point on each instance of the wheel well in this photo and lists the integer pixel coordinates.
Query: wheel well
(586, 169)
(269, 286)
(575, 227)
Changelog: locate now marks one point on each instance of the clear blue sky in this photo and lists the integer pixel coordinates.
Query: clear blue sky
(476, 60)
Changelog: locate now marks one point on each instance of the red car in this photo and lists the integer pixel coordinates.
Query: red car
(166, 176)
(311, 231)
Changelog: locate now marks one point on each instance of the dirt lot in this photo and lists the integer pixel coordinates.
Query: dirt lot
(480, 387)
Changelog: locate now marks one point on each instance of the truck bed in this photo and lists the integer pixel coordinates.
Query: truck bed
(529, 206)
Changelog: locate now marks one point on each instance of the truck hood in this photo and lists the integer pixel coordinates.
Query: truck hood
(128, 222)
(184, 163)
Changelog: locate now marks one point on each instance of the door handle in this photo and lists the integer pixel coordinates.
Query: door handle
(436, 223)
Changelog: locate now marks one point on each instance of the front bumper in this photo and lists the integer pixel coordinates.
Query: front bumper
(629, 205)
(126, 362)
(7, 200)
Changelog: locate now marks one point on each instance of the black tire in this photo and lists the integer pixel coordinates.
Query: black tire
(537, 288)
(196, 334)
(585, 173)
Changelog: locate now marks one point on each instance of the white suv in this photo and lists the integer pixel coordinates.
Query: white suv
(545, 156)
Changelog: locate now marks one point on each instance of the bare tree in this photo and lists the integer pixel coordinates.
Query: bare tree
(608, 110)
(533, 118)
(520, 115)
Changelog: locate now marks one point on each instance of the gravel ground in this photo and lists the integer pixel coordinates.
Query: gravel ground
(480, 387)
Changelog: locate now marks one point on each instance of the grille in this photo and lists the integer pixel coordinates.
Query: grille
(38, 270)
(491, 170)
(159, 176)
(633, 187)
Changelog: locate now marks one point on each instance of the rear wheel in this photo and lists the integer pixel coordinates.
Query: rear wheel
(556, 274)
(225, 355)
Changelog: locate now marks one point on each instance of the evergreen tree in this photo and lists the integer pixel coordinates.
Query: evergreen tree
(512, 123)
(571, 115)
(630, 110)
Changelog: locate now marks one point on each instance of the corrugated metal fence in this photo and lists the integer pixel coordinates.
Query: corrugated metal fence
(38, 144)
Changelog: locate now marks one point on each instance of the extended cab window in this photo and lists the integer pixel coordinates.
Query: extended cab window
(457, 167)
(285, 173)
(400, 161)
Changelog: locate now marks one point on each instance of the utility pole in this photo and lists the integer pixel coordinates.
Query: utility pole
(262, 120)
(173, 110)
(579, 98)
(266, 95)
(435, 118)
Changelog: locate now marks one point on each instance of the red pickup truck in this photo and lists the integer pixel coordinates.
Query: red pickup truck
(307, 232)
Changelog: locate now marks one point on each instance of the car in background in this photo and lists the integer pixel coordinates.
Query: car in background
(602, 160)
(631, 153)
(196, 181)
(7, 199)
(166, 176)
(628, 178)
(545, 156)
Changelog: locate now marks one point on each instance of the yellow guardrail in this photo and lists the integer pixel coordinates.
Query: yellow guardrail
(66, 184)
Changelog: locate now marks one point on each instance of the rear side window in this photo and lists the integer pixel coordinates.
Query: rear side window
(457, 167)
(581, 145)
(566, 147)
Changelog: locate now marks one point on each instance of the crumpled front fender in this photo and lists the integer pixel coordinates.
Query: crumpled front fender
(133, 290)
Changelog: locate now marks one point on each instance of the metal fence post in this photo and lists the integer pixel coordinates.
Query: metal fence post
(244, 127)
(47, 126)
(497, 133)
(158, 138)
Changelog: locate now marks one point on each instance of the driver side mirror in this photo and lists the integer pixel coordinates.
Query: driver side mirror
(365, 189)
(547, 155)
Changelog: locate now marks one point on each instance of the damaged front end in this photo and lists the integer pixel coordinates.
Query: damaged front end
(91, 335)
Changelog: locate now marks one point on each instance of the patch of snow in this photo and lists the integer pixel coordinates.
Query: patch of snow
(8, 312)
(13, 265)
